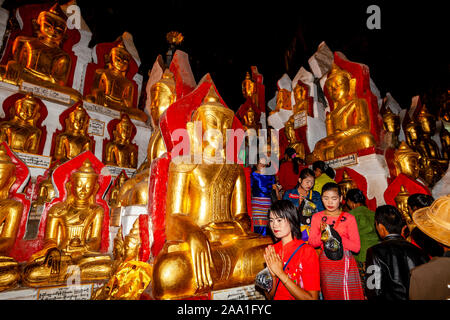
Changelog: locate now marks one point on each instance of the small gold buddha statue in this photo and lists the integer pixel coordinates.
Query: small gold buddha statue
(208, 239)
(131, 276)
(40, 60)
(250, 122)
(248, 87)
(114, 194)
(406, 161)
(46, 191)
(135, 190)
(120, 151)
(72, 235)
(301, 100)
(401, 200)
(283, 101)
(10, 215)
(412, 134)
(348, 124)
(391, 124)
(75, 139)
(289, 131)
(20, 132)
(346, 184)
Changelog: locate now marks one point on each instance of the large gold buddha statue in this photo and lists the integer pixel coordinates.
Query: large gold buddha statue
(20, 132)
(40, 60)
(120, 151)
(208, 240)
(348, 124)
(75, 139)
(10, 215)
(298, 146)
(72, 235)
(135, 190)
(406, 161)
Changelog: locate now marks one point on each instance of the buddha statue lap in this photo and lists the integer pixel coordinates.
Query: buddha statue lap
(75, 139)
(72, 236)
(40, 60)
(21, 132)
(121, 152)
(348, 124)
(10, 215)
(208, 240)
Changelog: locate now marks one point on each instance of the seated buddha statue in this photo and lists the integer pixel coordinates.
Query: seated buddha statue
(135, 190)
(72, 235)
(40, 60)
(391, 124)
(249, 121)
(301, 100)
(289, 131)
(283, 101)
(114, 194)
(406, 161)
(111, 88)
(346, 184)
(10, 215)
(20, 132)
(120, 151)
(208, 239)
(348, 124)
(74, 140)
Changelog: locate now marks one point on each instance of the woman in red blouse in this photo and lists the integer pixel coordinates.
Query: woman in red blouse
(293, 263)
(339, 278)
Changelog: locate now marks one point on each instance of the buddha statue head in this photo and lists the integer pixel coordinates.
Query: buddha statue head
(340, 84)
(346, 184)
(78, 121)
(248, 86)
(162, 95)
(82, 185)
(52, 25)
(406, 161)
(412, 133)
(7, 173)
(119, 58)
(215, 119)
(401, 200)
(391, 122)
(427, 122)
(283, 99)
(26, 110)
(123, 130)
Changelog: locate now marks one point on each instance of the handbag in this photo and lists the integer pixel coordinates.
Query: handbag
(332, 241)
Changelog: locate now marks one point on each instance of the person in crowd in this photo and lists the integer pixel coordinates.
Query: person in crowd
(262, 185)
(340, 278)
(324, 174)
(308, 207)
(365, 218)
(430, 246)
(389, 263)
(293, 264)
(289, 170)
(431, 281)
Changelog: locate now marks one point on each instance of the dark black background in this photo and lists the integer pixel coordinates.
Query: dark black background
(407, 57)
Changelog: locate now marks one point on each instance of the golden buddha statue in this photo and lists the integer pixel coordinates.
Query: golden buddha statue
(445, 142)
(114, 194)
(46, 191)
(283, 101)
(208, 239)
(74, 140)
(111, 88)
(131, 276)
(391, 124)
(72, 235)
(289, 131)
(346, 184)
(348, 124)
(40, 60)
(249, 121)
(20, 132)
(401, 200)
(135, 190)
(248, 87)
(121, 152)
(10, 215)
(406, 161)
(301, 100)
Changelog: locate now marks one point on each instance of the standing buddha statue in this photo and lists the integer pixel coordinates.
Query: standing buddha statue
(208, 239)
(348, 124)
(40, 60)
(20, 132)
(248, 88)
(10, 215)
(72, 235)
(74, 140)
(289, 131)
(121, 152)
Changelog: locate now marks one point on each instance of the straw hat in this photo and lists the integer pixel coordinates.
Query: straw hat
(435, 220)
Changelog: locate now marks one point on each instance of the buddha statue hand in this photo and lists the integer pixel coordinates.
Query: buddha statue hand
(53, 261)
(201, 259)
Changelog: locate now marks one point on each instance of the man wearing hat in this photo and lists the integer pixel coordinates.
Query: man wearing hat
(431, 281)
